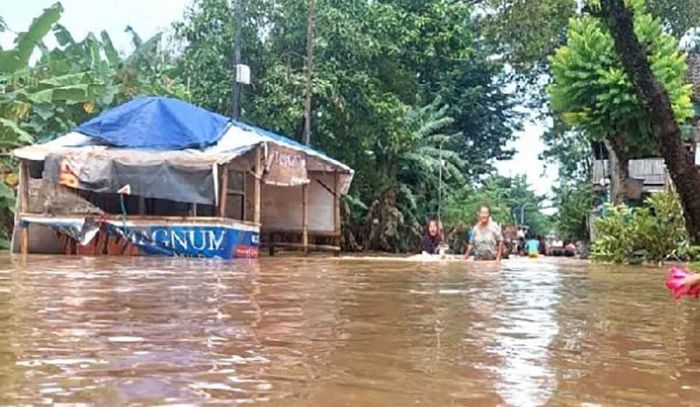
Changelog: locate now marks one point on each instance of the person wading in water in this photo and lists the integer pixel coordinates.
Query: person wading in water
(431, 241)
(486, 242)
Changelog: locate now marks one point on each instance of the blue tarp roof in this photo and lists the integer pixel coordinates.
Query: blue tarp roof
(169, 124)
(157, 123)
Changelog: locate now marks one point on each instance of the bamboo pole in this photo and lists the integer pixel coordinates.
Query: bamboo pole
(236, 89)
(24, 204)
(336, 209)
(258, 186)
(308, 95)
(309, 70)
(304, 218)
(223, 191)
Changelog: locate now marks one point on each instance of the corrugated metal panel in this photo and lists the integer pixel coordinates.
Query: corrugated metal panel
(652, 171)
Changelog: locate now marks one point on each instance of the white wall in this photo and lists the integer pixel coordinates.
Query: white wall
(281, 206)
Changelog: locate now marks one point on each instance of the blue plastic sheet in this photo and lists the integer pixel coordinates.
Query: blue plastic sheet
(156, 123)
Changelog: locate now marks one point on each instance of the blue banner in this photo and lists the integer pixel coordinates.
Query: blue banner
(95, 236)
(191, 240)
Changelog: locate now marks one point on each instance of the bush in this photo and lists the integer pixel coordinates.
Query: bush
(653, 232)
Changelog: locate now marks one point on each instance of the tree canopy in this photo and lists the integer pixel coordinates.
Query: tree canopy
(394, 83)
(593, 93)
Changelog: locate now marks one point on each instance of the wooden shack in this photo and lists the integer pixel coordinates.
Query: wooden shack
(125, 183)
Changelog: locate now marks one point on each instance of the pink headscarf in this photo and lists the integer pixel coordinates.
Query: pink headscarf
(674, 282)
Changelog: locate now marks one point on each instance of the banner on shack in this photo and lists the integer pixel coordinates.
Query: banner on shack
(286, 167)
(114, 237)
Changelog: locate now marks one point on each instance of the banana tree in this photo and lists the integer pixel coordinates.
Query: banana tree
(46, 92)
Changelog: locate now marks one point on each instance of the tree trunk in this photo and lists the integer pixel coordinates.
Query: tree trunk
(655, 101)
(619, 169)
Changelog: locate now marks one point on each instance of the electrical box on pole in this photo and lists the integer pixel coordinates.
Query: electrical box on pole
(243, 74)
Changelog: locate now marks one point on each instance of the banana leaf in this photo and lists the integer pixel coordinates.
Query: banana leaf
(18, 57)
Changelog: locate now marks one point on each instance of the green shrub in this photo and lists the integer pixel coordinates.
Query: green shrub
(653, 232)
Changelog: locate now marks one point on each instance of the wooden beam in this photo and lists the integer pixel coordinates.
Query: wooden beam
(24, 204)
(257, 185)
(314, 247)
(150, 219)
(336, 208)
(304, 218)
(223, 190)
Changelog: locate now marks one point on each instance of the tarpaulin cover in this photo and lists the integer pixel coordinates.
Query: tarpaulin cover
(104, 174)
(84, 161)
(156, 123)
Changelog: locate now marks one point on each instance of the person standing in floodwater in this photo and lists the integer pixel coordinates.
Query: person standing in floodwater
(431, 241)
(486, 242)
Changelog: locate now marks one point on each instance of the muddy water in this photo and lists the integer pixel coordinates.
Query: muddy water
(312, 332)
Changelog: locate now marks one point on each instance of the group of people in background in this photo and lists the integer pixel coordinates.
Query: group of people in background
(486, 242)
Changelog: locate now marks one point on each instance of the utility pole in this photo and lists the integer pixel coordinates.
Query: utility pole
(439, 214)
(310, 32)
(236, 89)
(522, 213)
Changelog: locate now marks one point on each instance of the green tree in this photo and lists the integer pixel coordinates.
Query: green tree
(379, 70)
(677, 16)
(412, 194)
(593, 93)
(574, 202)
(524, 33)
(658, 101)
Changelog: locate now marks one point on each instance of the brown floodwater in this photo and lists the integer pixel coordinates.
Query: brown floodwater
(334, 332)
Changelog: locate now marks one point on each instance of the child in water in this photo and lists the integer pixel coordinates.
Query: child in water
(533, 247)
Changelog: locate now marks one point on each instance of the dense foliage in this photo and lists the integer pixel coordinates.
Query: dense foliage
(66, 85)
(403, 92)
(653, 232)
(574, 202)
(394, 83)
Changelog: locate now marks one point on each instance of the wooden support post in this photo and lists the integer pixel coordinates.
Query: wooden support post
(271, 243)
(258, 185)
(142, 206)
(24, 204)
(304, 218)
(336, 209)
(223, 190)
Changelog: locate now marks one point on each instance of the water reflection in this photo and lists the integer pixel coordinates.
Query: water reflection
(313, 332)
(527, 326)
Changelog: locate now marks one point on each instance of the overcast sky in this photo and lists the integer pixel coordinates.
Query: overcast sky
(148, 17)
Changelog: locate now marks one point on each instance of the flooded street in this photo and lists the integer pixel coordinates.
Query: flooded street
(313, 332)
